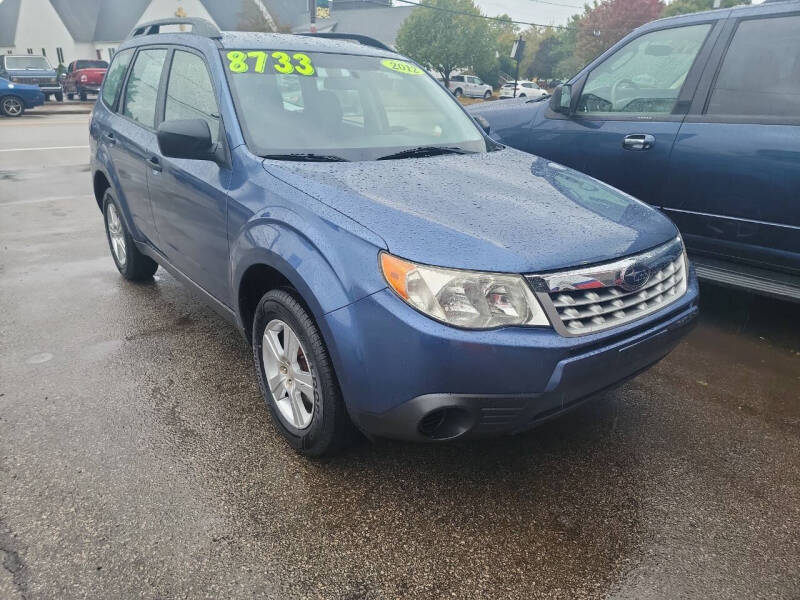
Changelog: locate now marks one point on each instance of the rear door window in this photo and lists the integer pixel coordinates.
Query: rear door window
(141, 91)
(760, 75)
(115, 76)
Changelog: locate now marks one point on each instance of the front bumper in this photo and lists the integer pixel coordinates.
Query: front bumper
(405, 376)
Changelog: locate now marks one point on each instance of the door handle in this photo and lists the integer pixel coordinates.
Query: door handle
(154, 163)
(110, 138)
(638, 141)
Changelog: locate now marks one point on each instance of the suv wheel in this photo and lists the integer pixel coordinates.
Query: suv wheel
(132, 264)
(11, 106)
(82, 96)
(59, 97)
(296, 376)
(487, 94)
(458, 92)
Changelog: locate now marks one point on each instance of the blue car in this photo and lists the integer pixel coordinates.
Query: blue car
(395, 270)
(698, 115)
(16, 97)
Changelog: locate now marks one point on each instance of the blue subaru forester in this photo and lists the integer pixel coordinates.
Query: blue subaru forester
(396, 271)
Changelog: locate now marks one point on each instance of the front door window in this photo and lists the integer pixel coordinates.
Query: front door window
(645, 76)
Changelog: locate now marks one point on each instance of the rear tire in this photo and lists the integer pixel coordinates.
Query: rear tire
(70, 96)
(300, 388)
(458, 92)
(132, 264)
(12, 106)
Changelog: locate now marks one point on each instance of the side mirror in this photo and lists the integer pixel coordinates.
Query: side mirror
(481, 120)
(185, 138)
(561, 101)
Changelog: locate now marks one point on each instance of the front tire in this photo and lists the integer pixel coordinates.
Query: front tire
(487, 94)
(296, 376)
(83, 96)
(59, 97)
(70, 96)
(132, 264)
(12, 106)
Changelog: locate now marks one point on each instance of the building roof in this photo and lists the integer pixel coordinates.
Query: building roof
(9, 13)
(379, 23)
(112, 20)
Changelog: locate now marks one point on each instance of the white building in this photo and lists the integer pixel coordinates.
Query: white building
(66, 30)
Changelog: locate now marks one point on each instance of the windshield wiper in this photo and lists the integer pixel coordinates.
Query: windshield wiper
(308, 157)
(424, 151)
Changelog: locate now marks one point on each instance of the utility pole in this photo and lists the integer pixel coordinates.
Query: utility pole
(517, 50)
(312, 14)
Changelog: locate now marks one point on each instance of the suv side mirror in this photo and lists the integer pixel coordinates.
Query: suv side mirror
(185, 138)
(561, 102)
(481, 120)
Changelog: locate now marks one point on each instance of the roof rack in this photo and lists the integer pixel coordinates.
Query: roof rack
(361, 39)
(199, 27)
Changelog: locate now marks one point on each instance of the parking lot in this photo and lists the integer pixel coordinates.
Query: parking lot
(137, 458)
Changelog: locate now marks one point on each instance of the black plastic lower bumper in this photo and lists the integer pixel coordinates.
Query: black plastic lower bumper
(441, 417)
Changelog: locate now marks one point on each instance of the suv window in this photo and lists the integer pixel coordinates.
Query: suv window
(190, 94)
(646, 75)
(458, 78)
(115, 76)
(760, 75)
(141, 91)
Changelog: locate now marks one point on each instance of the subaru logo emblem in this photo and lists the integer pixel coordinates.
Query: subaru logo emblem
(635, 276)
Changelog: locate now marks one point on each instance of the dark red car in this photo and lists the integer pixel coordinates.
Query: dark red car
(84, 77)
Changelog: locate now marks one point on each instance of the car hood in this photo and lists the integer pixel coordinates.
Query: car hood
(498, 211)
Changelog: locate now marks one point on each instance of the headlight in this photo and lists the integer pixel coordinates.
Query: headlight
(16, 79)
(84, 79)
(468, 299)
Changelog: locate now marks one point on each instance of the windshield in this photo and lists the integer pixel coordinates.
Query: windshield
(341, 105)
(27, 62)
(91, 64)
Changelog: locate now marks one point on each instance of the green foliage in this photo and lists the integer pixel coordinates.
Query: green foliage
(681, 7)
(444, 41)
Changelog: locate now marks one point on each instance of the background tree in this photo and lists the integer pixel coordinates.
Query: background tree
(503, 33)
(680, 7)
(607, 22)
(445, 41)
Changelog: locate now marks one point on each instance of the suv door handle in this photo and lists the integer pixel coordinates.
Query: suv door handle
(110, 138)
(154, 163)
(638, 141)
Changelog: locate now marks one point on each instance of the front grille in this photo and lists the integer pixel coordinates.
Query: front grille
(36, 80)
(596, 298)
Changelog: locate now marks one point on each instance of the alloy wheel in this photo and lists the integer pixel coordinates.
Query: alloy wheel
(117, 235)
(12, 107)
(288, 374)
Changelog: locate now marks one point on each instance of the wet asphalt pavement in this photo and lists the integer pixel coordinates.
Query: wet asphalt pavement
(137, 459)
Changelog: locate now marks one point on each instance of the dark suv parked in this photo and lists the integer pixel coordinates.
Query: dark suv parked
(392, 266)
(698, 115)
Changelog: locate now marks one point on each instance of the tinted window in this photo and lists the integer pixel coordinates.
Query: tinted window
(142, 88)
(190, 94)
(760, 75)
(115, 75)
(91, 64)
(457, 78)
(646, 75)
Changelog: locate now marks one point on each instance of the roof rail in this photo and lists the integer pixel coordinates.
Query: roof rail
(361, 39)
(199, 27)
